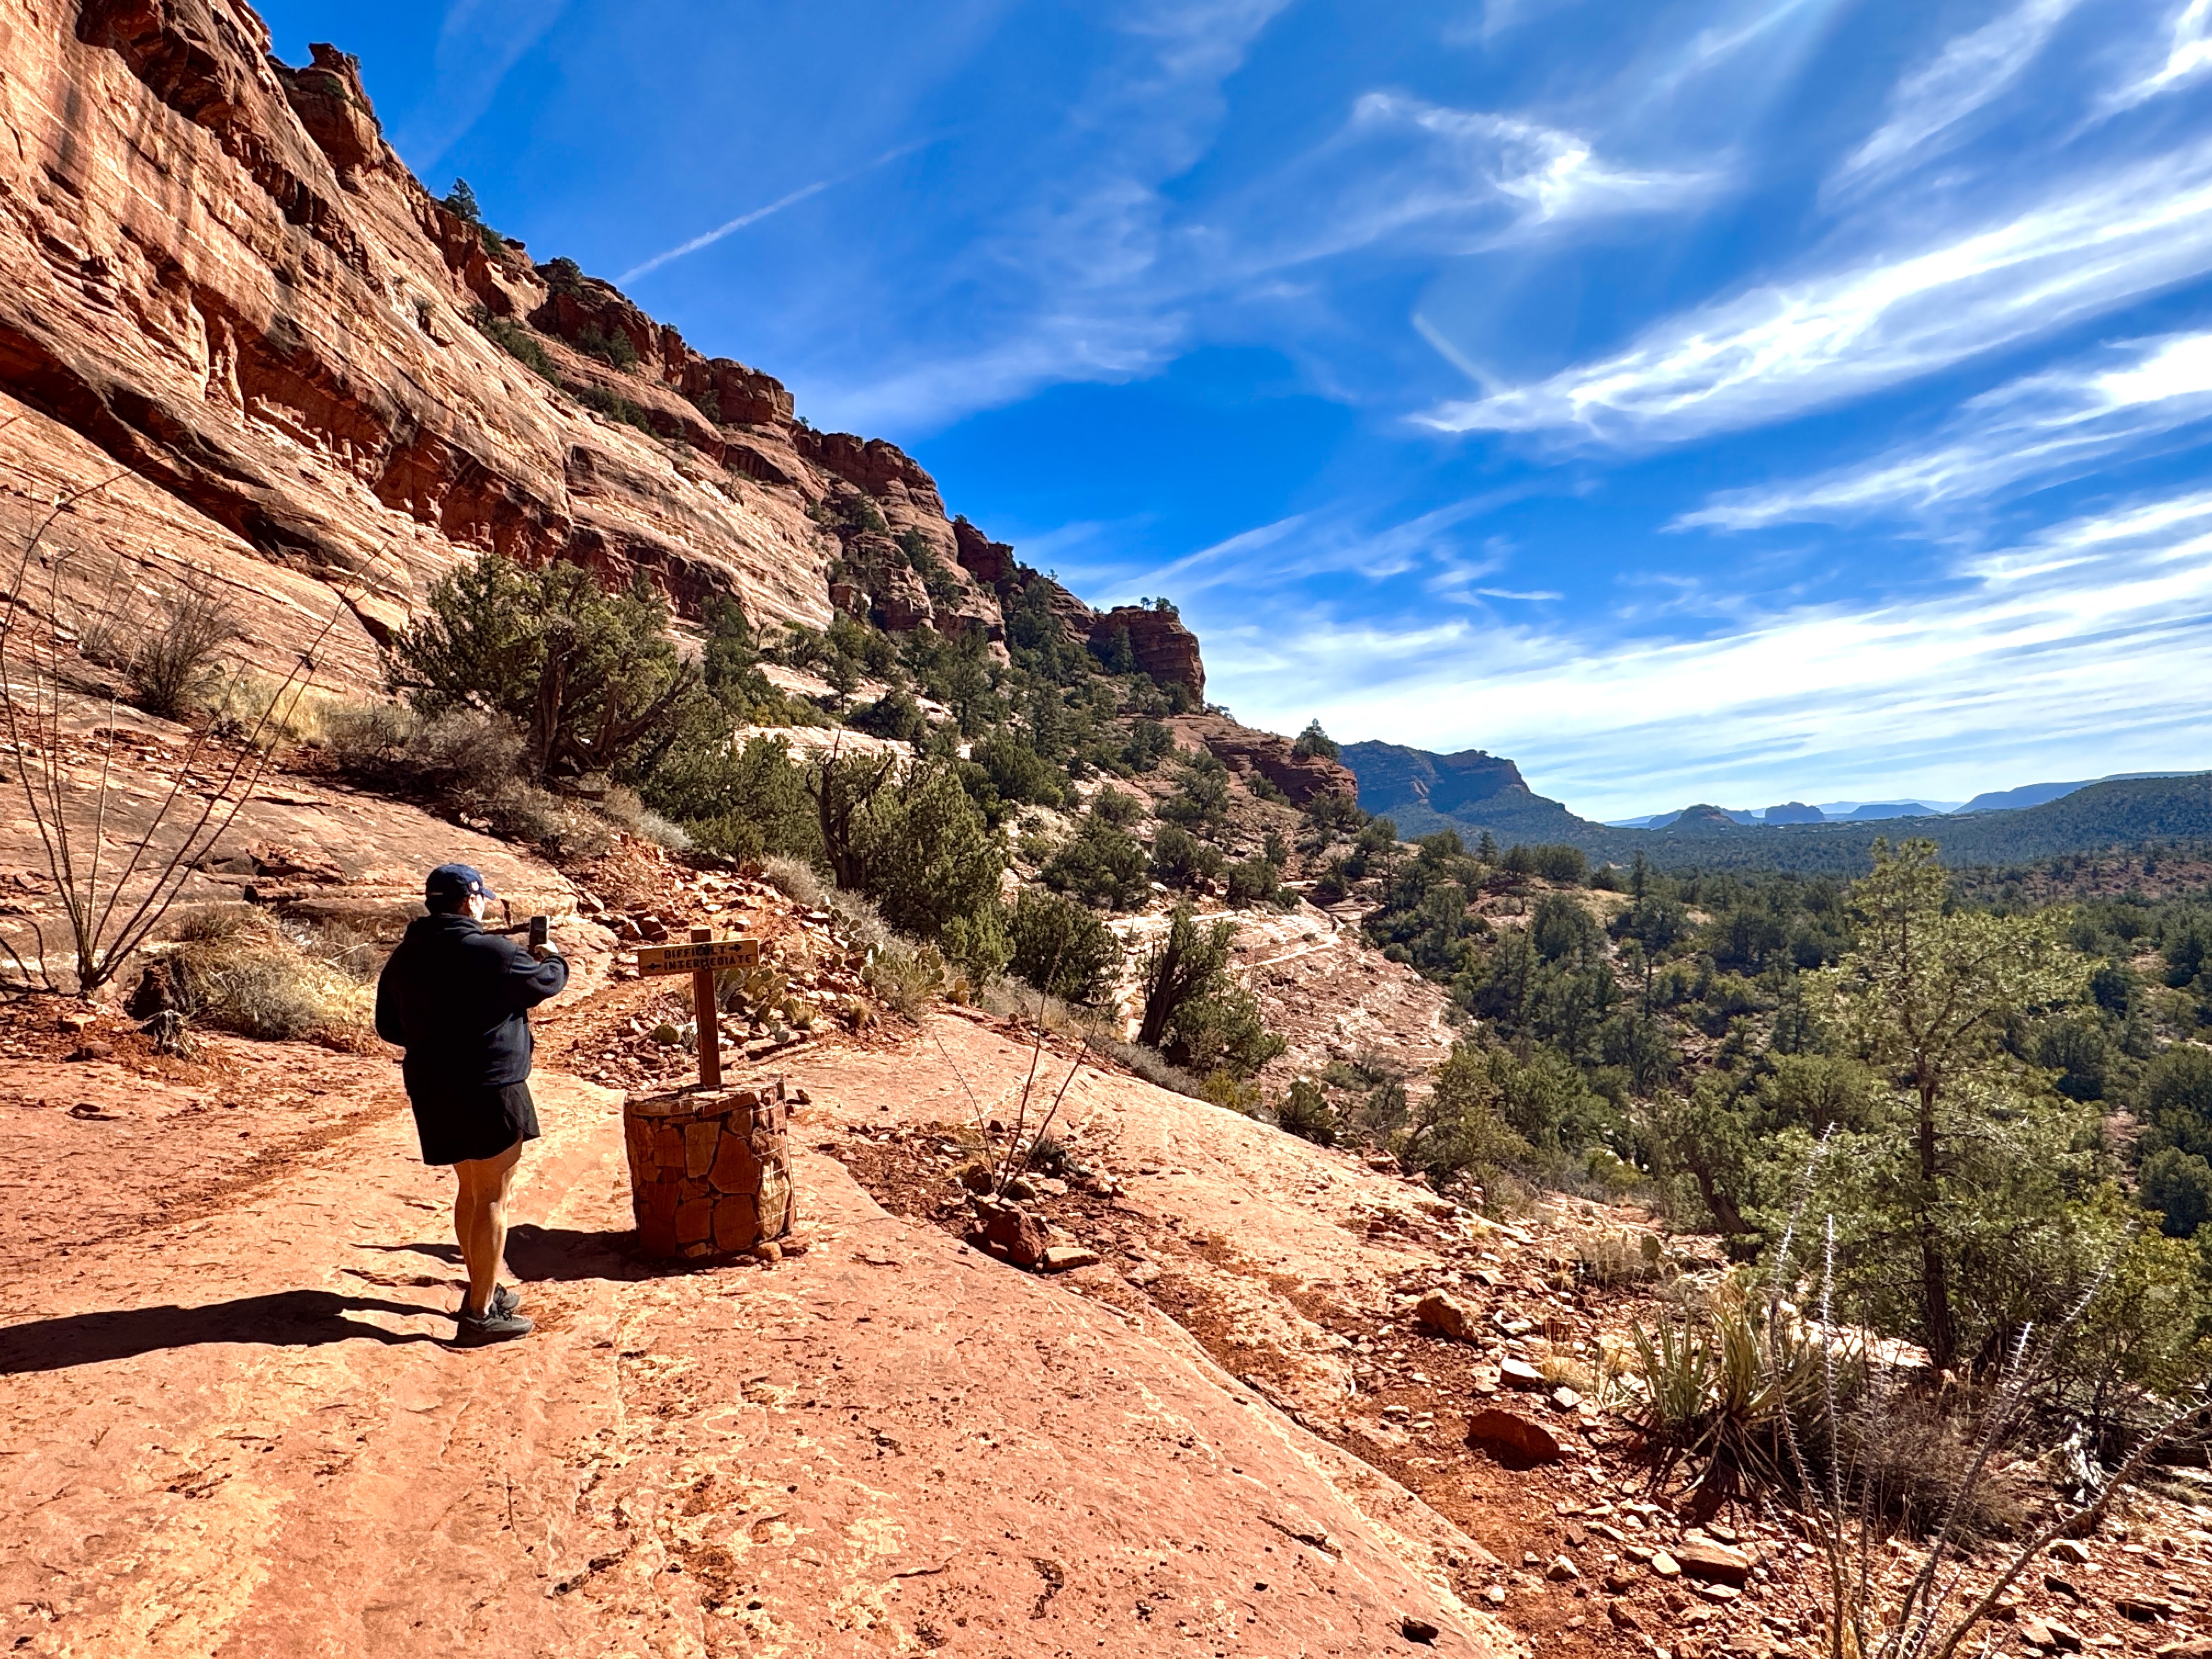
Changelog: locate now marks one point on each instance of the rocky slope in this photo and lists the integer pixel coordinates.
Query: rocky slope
(263, 362)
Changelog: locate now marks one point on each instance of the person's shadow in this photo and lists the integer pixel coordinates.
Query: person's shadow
(549, 1255)
(291, 1319)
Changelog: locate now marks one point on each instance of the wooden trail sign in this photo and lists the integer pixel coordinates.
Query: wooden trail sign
(701, 958)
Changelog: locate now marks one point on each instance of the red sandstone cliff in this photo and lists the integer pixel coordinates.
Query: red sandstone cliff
(222, 284)
(258, 357)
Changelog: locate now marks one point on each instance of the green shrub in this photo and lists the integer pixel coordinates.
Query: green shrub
(926, 856)
(1202, 801)
(616, 407)
(2178, 1185)
(1565, 864)
(895, 714)
(1149, 743)
(2175, 1099)
(1101, 863)
(516, 339)
(590, 678)
(1195, 1011)
(1062, 948)
(1315, 744)
(1017, 771)
(1460, 1132)
(1334, 814)
(1305, 1112)
(1182, 860)
(616, 348)
(738, 802)
(1254, 881)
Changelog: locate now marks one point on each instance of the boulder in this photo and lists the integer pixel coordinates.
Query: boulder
(1520, 1374)
(1664, 1564)
(1446, 1315)
(1562, 1570)
(1017, 1235)
(1521, 1440)
(1062, 1258)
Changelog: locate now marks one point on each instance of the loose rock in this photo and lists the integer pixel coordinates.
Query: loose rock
(1515, 1435)
(1445, 1315)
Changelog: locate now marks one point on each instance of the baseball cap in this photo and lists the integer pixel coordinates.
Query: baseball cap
(457, 881)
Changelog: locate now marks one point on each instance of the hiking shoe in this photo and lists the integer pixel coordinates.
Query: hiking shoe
(492, 1326)
(506, 1299)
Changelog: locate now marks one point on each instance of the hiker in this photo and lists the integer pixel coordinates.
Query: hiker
(453, 995)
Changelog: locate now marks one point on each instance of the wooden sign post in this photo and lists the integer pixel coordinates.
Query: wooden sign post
(701, 959)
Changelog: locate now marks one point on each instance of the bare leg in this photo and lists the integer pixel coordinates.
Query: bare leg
(480, 1220)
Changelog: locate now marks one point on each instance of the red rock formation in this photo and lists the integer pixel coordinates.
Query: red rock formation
(1274, 757)
(231, 313)
(1163, 646)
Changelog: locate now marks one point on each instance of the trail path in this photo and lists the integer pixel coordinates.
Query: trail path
(231, 1423)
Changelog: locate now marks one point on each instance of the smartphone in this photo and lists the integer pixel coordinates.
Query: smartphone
(541, 931)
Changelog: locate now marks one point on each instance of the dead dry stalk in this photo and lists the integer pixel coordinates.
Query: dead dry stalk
(112, 907)
(1928, 1618)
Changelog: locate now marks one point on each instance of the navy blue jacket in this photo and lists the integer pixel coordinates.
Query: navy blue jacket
(454, 996)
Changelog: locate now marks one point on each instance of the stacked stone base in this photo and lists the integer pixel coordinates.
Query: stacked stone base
(710, 1172)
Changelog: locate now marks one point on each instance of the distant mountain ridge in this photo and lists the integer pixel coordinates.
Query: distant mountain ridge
(1473, 791)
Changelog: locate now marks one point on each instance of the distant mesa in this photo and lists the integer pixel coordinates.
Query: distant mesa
(1891, 809)
(1469, 791)
(1795, 812)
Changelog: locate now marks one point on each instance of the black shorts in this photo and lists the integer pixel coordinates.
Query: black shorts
(460, 1125)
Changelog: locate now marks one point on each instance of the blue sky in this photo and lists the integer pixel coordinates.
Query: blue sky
(1745, 400)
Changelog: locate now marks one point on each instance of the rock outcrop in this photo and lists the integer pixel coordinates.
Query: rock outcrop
(1158, 643)
(1268, 755)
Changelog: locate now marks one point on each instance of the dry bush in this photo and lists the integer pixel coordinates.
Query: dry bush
(1617, 1259)
(797, 881)
(1151, 1065)
(246, 700)
(388, 747)
(468, 762)
(173, 667)
(232, 968)
(622, 807)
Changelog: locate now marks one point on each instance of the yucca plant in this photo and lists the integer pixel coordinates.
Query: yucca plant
(1721, 1386)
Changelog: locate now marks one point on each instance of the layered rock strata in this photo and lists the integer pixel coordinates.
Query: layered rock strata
(261, 361)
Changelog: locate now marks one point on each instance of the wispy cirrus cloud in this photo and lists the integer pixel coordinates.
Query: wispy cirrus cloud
(1927, 106)
(1785, 348)
(2030, 432)
(1404, 172)
(2082, 647)
(2188, 57)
